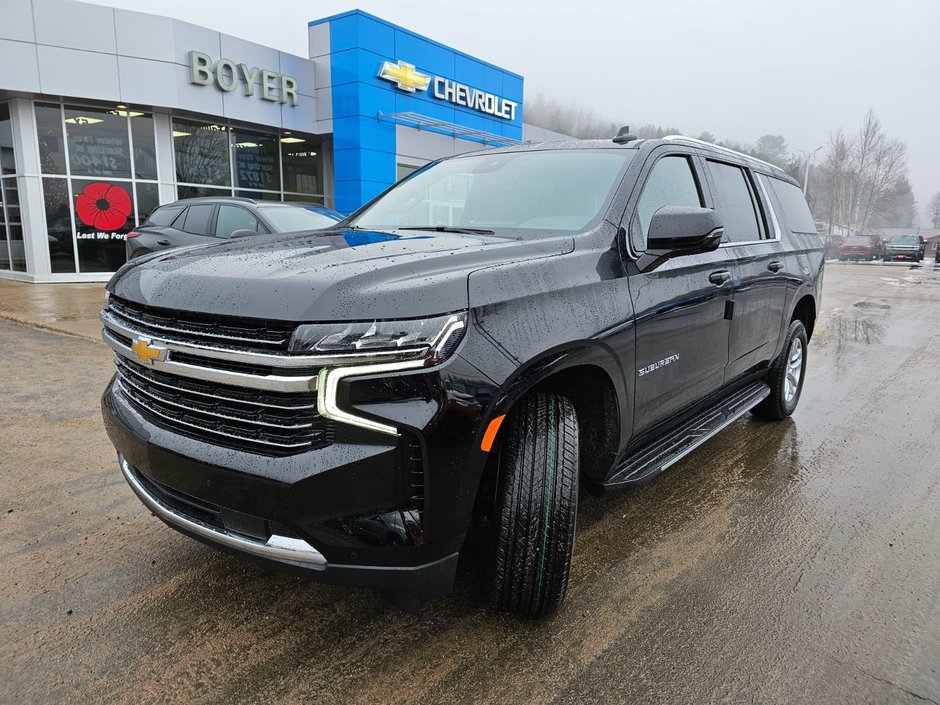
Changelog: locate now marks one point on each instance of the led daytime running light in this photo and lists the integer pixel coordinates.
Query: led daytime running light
(431, 352)
(328, 385)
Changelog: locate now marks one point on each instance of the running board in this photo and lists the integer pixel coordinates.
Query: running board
(681, 441)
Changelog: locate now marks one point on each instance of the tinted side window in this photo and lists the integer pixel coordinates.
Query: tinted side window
(164, 215)
(794, 205)
(197, 219)
(737, 204)
(671, 182)
(232, 218)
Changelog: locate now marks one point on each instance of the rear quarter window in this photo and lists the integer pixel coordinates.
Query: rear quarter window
(164, 215)
(795, 210)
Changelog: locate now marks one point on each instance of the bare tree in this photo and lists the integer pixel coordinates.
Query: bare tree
(887, 166)
(864, 182)
(933, 210)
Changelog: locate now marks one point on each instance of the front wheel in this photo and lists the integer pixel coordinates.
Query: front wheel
(785, 376)
(536, 507)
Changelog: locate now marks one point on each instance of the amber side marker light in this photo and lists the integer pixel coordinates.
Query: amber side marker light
(491, 432)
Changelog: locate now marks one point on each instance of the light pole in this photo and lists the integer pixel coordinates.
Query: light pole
(809, 158)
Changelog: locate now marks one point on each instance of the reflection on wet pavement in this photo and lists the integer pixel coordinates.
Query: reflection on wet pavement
(780, 562)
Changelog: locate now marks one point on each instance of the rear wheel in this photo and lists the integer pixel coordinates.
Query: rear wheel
(785, 376)
(536, 507)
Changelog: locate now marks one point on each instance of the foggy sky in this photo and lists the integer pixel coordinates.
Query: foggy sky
(737, 68)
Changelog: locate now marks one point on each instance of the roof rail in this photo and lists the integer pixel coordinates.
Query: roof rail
(693, 140)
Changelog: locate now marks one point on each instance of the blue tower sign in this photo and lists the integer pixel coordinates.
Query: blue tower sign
(387, 84)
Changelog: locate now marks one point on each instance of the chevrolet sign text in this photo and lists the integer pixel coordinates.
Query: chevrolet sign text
(459, 94)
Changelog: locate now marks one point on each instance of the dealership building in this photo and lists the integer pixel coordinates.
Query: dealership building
(107, 113)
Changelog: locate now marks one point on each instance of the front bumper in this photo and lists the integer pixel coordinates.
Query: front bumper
(902, 254)
(857, 253)
(277, 547)
(348, 513)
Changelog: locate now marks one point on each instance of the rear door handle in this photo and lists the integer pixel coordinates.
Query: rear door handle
(775, 266)
(720, 278)
(163, 242)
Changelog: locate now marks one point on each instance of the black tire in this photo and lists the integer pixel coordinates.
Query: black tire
(536, 508)
(778, 406)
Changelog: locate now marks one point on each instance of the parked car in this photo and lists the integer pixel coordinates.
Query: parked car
(481, 340)
(905, 247)
(861, 247)
(196, 221)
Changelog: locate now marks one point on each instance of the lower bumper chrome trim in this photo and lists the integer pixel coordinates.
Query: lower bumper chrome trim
(279, 548)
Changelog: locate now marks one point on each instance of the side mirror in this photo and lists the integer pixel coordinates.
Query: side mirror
(679, 230)
(243, 232)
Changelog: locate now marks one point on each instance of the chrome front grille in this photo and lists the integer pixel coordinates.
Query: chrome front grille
(264, 422)
(226, 381)
(231, 381)
(201, 329)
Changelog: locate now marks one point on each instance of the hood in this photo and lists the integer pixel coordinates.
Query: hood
(330, 275)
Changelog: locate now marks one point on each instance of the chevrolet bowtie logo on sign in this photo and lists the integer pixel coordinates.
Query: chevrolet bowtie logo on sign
(408, 78)
(147, 352)
(405, 75)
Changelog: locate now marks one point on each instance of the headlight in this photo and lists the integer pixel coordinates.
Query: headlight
(370, 348)
(428, 339)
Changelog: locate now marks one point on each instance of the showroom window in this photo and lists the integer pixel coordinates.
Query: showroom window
(99, 169)
(12, 254)
(223, 160)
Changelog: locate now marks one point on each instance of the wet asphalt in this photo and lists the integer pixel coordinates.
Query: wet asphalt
(793, 562)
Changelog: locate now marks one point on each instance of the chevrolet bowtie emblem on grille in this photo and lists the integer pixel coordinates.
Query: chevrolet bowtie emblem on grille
(405, 75)
(147, 352)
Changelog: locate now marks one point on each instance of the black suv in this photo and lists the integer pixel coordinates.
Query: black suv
(200, 221)
(902, 247)
(468, 349)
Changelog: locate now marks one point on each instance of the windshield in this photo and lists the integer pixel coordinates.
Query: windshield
(512, 193)
(904, 240)
(290, 218)
(859, 240)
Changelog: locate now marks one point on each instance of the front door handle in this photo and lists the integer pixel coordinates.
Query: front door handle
(720, 278)
(163, 242)
(775, 266)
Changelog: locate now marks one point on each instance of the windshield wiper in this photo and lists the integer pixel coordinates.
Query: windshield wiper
(450, 229)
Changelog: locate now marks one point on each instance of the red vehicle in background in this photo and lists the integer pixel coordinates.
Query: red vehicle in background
(861, 247)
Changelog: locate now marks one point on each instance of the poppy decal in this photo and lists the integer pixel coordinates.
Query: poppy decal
(103, 206)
